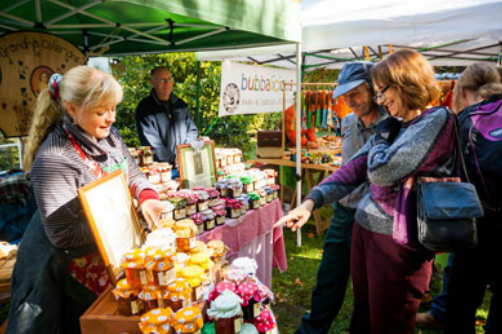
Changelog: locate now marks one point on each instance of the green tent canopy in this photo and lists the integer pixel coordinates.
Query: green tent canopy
(121, 27)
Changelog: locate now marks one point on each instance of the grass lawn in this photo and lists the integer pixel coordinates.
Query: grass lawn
(293, 288)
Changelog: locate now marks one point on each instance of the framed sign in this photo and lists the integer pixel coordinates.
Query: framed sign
(197, 168)
(109, 209)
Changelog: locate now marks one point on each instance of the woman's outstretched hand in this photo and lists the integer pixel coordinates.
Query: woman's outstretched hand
(152, 209)
(297, 217)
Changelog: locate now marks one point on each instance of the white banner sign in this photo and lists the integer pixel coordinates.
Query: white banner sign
(252, 89)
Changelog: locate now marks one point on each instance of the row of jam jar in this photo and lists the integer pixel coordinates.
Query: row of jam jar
(188, 320)
(252, 201)
(158, 173)
(227, 156)
(187, 202)
(143, 155)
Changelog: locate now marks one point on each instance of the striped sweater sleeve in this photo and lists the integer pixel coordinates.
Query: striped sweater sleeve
(56, 180)
(343, 181)
(416, 148)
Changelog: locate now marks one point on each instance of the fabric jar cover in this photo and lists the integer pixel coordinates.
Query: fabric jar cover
(247, 291)
(245, 264)
(150, 292)
(194, 275)
(124, 290)
(178, 290)
(227, 305)
(156, 321)
(157, 259)
(236, 276)
(187, 320)
(264, 292)
(199, 247)
(163, 238)
(264, 322)
(202, 260)
(134, 259)
(218, 247)
(219, 288)
(248, 329)
(185, 228)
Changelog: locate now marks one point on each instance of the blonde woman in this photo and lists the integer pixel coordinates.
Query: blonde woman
(390, 272)
(71, 143)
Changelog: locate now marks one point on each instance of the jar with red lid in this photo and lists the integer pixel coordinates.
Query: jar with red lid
(220, 214)
(146, 156)
(199, 223)
(250, 300)
(214, 196)
(153, 175)
(233, 208)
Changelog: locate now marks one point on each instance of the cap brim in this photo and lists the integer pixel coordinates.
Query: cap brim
(342, 89)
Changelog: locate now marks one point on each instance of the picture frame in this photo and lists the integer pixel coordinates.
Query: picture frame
(197, 168)
(108, 206)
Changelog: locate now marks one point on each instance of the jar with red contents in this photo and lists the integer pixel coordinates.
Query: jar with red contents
(234, 187)
(250, 300)
(178, 294)
(146, 156)
(127, 298)
(264, 322)
(160, 265)
(192, 201)
(199, 223)
(180, 205)
(270, 173)
(134, 267)
(227, 313)
(214, 196)
(220, 213)
(221, 186)
(153, 175)
(165, 171)
(152, 298)
(203, 203)
(233, 208)
(209, 219)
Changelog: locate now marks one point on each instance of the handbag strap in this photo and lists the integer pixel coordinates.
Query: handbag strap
(459, 147)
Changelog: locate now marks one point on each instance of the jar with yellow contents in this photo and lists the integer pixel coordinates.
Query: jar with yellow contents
(160, 266)
(188, 320)
(227, 313)
(152, 295)
(218, 248)
(178, 294)
(185, 234)
(201, 260)
(157, 321)
(195, 276)
(127, 298)
(134, 267)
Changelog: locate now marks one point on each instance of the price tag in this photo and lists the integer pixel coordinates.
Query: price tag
(210, 224)
(191, 243)
(142, 277)
(135, 307)
(256, 310)
(237, 325)
(198, 293)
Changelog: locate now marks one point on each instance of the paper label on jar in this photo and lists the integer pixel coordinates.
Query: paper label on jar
(263, 201)
(166, 176)
(275, 195)
(180, 214)
(256, 310)
(203, 206)
(237, 192)
(210, 224)
(197, 332)
(235, 213)
(200, 228)
(249, 187)
(223, 192)
(186, 303)
(167, 215)
(213, 202)
(166, 277)
(154, 179)
(191, 243)
(267, 307)
(270, 198)
(237, 325)
(198, 293)
(191, 209)
(142, 277)
(135, 307)
(220, 220)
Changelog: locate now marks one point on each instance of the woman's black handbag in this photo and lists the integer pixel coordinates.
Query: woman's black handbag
(447, 210)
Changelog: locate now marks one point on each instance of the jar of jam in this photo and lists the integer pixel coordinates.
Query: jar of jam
(254, 200)
(203, 203)
(127, 298)
(230, 157)
(153, 175)
(192, 201)
(246, 265)
(263, 197)
(270, 194)
(209, 219)
(185, 234)
(180, 205)
(202, 260)
(250, 305)
(219, 288)
(221, 186)
(270, 173)
(247, 183)
(195, 276)
(160, 266)
(165, 171)
(218, 248)
(237, 156)
(220, 213)
(265, 322)
(178, 294)
(188, 320)
(227, 313)
(146, 156)
(236, 276)
(199, 222)
(275, 188)
(265, 295)
(157, 321)
(259, 179)
(180, 263)
(199, 247)
(234, 188)
(214, 196)
(162, 238)
(151, 295)
(134, 267)
(167, 211)
(244, 199)
(233, 208)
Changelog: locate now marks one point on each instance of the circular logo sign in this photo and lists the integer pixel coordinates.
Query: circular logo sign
(231, 98)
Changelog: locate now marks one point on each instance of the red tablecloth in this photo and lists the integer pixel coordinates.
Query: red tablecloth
(253, 235)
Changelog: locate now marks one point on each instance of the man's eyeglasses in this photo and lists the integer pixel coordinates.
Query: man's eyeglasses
(166, 80)
(381, 96)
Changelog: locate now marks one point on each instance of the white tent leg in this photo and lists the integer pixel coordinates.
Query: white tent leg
(298, 134)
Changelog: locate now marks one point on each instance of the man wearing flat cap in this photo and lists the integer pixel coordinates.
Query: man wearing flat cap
(354, 83)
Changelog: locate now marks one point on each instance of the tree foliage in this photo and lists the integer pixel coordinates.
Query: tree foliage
(133, 73)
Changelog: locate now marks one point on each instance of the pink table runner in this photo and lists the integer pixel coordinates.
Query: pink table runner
(253, 235)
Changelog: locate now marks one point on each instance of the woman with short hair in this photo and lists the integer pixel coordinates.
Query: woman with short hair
(390, 271)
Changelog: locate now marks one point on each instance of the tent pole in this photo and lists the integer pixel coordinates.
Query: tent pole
(199, 120)
(298, 135)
